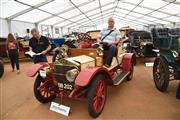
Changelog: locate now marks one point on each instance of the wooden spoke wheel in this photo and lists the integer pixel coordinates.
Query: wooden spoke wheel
(161, 74)
(97, 96)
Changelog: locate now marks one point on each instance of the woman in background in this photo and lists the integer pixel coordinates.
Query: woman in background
(12, 51)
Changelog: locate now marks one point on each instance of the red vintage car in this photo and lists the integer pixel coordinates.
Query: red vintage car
(81, 73)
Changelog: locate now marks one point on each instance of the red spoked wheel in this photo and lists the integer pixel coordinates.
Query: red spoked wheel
(97, 96)
(42, 90)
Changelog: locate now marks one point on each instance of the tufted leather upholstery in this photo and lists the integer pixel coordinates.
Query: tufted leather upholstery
(162, 38)
(175, 31)
(162, 32)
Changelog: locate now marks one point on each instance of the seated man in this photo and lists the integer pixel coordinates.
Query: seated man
(110, 37)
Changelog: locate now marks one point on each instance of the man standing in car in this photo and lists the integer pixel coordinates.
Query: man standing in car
(39, 44)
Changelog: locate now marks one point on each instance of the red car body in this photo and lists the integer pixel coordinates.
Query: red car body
(90, 82)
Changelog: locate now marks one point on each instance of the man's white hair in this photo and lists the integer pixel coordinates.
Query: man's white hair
(111, 18)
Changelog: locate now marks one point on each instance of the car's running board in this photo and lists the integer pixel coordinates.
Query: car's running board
(119, 78)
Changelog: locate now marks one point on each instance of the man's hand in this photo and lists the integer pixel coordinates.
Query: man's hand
(43, 52)
(30, 48)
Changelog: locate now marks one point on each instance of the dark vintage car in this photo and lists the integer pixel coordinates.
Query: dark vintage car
(1, 67)
(141, 44)
(167, 65)
(3, 47)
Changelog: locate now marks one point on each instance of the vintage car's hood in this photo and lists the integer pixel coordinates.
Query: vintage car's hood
(82, 60)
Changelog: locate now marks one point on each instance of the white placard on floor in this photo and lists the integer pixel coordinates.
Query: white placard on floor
(149, 64)
(62, 109)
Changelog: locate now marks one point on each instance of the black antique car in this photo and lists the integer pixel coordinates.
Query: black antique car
(167, 64)
(1, 67)
(141, 44)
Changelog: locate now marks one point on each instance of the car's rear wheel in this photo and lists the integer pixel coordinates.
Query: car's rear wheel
(97, 96)
(161, 74)
(42, 91)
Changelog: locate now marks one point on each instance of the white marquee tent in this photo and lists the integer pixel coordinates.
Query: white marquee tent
(17, 16)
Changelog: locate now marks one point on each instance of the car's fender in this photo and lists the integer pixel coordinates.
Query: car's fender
(86, 75)
(33, 70)
(127, 61)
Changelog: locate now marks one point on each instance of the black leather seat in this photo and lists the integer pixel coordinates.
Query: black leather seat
(175, 31)
(160, 37)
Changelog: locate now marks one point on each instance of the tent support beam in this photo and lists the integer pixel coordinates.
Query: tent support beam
(29, 9)
(81, 12)
(9, 25)
(86, 12)
(64, 11)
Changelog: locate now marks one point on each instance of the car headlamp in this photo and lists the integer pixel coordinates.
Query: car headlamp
(71, 75)
(44, 72)
(175, 54)
(125, 45)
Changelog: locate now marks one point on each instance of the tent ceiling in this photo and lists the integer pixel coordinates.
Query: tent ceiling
(83, 13)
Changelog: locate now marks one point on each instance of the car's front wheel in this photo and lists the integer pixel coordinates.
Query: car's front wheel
(97, 95)
(42, 90)
(161, 74)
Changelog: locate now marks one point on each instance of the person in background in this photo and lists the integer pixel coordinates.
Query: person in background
(39, 44)
(110, 37)
(13, 52)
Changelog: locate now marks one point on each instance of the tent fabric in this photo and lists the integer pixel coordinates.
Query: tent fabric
(83, 13)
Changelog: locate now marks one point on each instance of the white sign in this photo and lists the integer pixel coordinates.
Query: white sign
(64, 110)
(149, 64)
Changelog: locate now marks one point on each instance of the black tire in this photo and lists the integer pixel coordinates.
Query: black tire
(38, 94)
(161, 74)
(1, 68)
(99, 79)
(178, 92)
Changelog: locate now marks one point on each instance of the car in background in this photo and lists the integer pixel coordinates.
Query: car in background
(167, 64)
(23, 47)
(3, 47)
(141, 44)
(1, 67)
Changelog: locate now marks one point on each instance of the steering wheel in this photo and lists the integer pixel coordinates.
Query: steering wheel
(83, 36)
